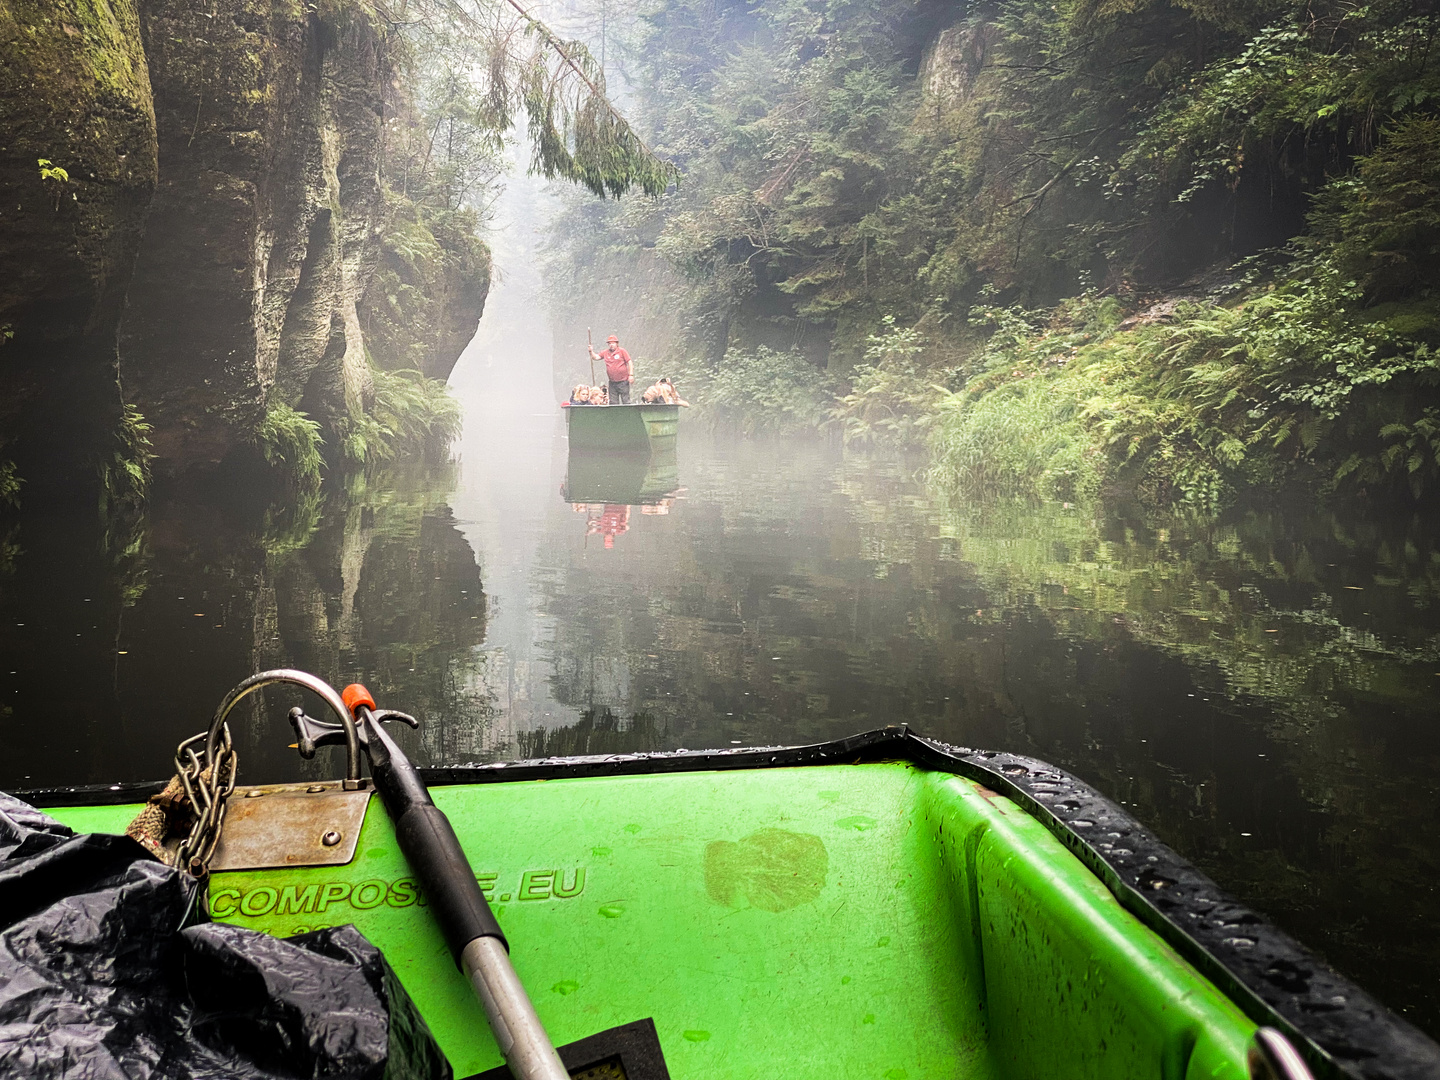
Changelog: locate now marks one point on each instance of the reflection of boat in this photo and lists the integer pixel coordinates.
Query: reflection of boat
(610, 521)
(622, 427)
(881, 905)
(633, 478)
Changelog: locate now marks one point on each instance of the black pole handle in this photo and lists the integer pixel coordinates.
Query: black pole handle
(425, 835)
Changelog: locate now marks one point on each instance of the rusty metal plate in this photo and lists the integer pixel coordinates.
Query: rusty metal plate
(290, 825)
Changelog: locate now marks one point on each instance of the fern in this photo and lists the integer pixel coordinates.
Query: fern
(290, 443)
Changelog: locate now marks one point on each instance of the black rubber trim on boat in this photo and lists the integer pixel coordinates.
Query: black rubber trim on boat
(1341, 1029)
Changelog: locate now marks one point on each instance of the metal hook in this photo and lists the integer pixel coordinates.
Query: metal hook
(316, 686)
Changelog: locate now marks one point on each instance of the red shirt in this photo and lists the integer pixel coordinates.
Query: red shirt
(617, 364)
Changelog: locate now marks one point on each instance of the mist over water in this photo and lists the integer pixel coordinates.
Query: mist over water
(509, 454)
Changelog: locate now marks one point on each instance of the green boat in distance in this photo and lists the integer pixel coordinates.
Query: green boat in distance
(636, 427)
(883, 906)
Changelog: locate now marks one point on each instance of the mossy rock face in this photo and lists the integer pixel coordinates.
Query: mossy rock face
(74, 90)
(428, 292)
(263, 228)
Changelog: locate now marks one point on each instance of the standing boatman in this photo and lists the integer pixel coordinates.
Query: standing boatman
(618, 370)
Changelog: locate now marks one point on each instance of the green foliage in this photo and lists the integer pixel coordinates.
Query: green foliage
(1381, 225)
(124, 470)
(52, 173)
(969, 220)
(433, 268)
(894, 392)
(411, 416)
(1292, 384)
(1025, 437)
(55, 180)
(1315, 79)
(289, 524)
(761, 391)
(10, 484)
(290, 443)
(511, 63)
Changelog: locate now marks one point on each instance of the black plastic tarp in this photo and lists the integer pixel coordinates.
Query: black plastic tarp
(108, 969)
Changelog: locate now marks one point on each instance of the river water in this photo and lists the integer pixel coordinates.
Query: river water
(1264, 691)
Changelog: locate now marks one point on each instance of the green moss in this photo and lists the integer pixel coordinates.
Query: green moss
(430, 283)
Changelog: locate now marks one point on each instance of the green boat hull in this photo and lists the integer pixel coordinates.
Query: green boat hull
(622, 427)
(871, 921)
(878, 907)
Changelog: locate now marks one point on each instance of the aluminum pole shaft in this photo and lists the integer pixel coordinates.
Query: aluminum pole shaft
(522, 1038)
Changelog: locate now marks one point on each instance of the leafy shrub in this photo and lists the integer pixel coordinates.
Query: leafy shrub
(765, 390)
(1382, 224)
(124, 471)
(1024, 437)
(10, 483)
(894, 392)
(411, 415)
(290, 443)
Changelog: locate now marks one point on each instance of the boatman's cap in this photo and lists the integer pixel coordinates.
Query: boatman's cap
(611, 338)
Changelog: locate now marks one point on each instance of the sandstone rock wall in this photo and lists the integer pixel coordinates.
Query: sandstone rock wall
(952, 62)
(264, 224)
(222, 221)
(428, 291)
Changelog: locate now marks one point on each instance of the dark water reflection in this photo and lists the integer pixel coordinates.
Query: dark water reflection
(1263, 690)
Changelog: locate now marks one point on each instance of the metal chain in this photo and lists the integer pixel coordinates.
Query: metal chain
(208, 785)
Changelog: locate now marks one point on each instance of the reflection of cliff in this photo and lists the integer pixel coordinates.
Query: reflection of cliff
(125, 659)
(387, 592)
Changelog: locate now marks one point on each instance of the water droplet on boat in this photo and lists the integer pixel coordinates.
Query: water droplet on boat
(565, 987)
(883, 942)
(869, 1018)
(612, 911)
(860, 823)
(697, 1036)
(632, 828)
(844, 980)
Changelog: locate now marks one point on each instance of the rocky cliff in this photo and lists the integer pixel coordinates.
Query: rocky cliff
(258, 125)
(426, 295)
(246, 284)
(77, 168)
